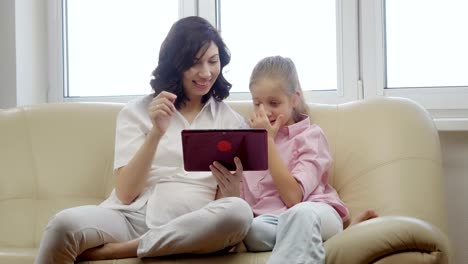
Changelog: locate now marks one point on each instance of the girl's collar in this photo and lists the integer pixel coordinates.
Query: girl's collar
(296, 128)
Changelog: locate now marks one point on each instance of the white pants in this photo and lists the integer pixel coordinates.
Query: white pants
(297, 235)
(219, 224)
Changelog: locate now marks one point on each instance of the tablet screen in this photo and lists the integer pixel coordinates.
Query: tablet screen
(201, 147)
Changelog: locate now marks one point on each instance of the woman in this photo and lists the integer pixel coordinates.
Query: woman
(157, 208)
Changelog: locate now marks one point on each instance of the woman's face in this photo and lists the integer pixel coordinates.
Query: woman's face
(199, 79)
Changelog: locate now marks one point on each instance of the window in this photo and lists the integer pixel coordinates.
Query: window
(112, 46)
(303, 30)
(416, 49)
(109, 57)
(343, 49)
(425, 45)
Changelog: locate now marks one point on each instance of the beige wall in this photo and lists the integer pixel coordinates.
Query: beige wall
(7, 54)
(31, 51)
(455, 162)
(23, 52)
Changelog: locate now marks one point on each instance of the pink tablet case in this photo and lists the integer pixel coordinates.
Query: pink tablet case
(202, 147)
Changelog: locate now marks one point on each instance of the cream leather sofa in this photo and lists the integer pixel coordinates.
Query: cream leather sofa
(386, 157)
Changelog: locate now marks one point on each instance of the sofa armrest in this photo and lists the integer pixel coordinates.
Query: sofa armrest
(381, 237)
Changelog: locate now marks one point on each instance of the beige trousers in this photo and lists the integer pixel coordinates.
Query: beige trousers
(219, 224)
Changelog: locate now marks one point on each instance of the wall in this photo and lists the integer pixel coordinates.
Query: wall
(7, 54)
(455, 162)
(31, 52)
(23, 52)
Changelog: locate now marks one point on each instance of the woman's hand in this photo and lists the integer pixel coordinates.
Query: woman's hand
(259, 119)
(160, 111)
(228, 183)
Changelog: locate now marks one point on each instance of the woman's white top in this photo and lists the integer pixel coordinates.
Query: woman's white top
(170, 190)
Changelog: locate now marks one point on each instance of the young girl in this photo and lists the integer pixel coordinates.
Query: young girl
(295, 207)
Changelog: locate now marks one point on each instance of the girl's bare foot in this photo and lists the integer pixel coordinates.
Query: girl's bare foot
(111, 251)
(363, 216)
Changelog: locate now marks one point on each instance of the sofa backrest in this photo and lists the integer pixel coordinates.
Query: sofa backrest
(386, 157)
(52, 156)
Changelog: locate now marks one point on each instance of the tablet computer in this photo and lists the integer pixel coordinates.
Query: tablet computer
(201, 147)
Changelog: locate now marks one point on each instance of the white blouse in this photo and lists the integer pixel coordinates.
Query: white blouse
(170, 190)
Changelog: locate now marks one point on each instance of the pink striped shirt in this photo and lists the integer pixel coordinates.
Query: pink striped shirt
(304, 149)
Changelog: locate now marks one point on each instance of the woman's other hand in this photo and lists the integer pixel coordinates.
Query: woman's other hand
(228, 182)
(161, 110)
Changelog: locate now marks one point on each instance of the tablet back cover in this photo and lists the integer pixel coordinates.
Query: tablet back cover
(202, 147)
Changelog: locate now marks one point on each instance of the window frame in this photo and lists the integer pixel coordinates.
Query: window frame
(360, 55)
(347, 62)
(57, 54)
(441, 102)
(347, 71)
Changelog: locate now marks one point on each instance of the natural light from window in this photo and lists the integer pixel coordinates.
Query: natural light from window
(303, 30)
(427, 43)
(113, 45)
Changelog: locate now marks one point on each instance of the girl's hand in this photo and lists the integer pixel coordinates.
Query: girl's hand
(259, 119)
(228, 183)
(160, 111)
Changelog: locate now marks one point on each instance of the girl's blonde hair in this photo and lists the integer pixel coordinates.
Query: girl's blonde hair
(283, 69)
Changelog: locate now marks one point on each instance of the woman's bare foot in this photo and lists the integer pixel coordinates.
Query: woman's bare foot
(111, 251)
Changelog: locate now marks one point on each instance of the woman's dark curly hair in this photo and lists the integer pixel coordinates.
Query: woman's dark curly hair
(178, 53)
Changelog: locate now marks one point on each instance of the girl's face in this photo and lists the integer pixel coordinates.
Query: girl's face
(271, 94)
(199, 79)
